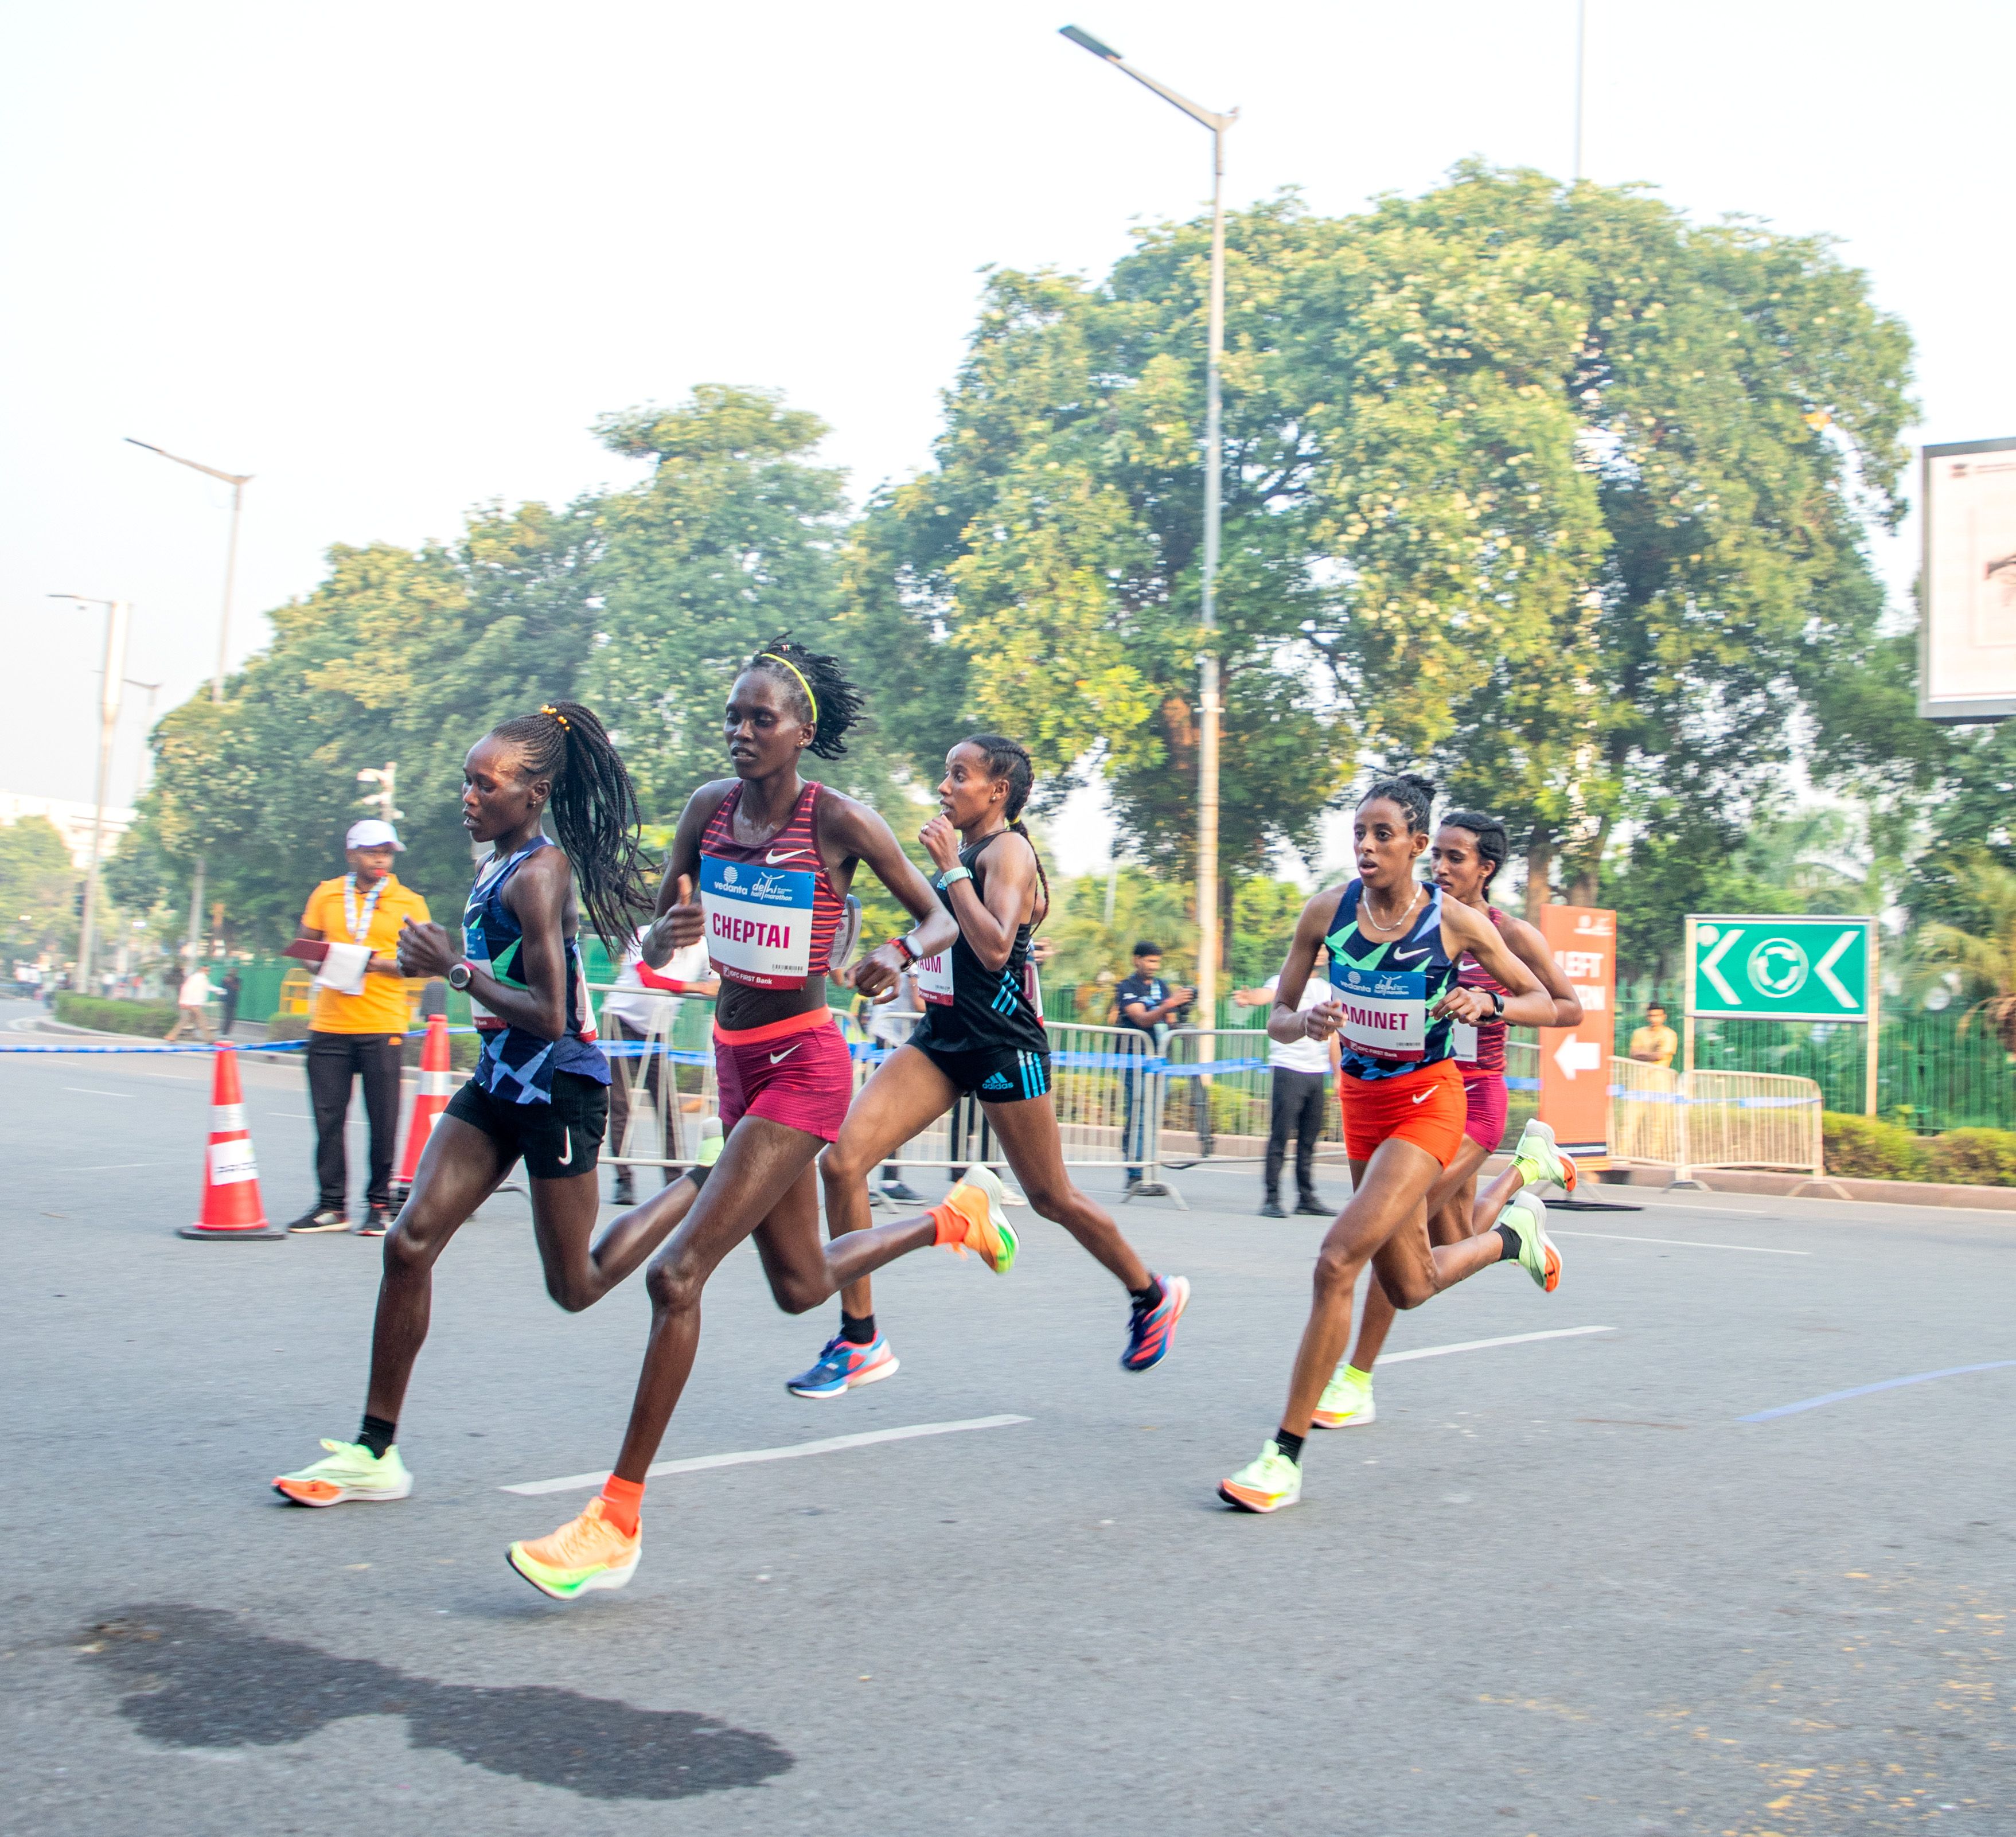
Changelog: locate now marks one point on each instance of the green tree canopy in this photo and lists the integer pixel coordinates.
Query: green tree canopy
(38, 889)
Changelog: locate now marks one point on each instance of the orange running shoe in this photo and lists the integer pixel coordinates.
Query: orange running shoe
(979, 1200)
(586, 1553)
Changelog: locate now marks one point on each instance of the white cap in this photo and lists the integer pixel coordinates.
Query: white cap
(373, 832)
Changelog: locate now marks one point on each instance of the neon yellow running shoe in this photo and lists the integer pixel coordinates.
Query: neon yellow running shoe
(1347, 1400)
(1527, 1217)
(1540, 1162)
(585, 1553)
(1267, 1484)
(980, 1200)
(349, 1471)
(710, 1141)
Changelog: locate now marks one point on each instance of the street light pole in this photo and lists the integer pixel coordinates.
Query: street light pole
(1581, 41)
(117, 616)
(238, 481)
(1208, 945)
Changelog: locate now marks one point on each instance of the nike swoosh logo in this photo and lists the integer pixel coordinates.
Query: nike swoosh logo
(785, 1053)
(778, 855)
(1402, 956)
(1423, 1097)
(567, 1160)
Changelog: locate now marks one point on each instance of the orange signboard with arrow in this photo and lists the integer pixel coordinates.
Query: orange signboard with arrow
(1575, 1061)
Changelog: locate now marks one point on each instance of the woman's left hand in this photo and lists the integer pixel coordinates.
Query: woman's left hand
(426, 949)
(941, 841)
(1470, 1006)
(883, 967)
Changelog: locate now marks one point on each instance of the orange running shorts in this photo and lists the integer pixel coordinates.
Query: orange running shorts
(1425, 1107)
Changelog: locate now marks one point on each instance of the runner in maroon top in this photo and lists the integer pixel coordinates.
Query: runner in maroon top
(1469, 849)
(760, 866)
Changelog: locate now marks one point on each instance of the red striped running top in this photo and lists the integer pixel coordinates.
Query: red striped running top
(1470, 974)
(799, 837)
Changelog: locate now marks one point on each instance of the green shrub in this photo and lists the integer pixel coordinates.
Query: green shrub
(151, 1019)
(1973, 1157)
(1861, 1147)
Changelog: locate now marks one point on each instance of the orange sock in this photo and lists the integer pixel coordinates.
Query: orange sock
(621, 1501)
(951, 1222)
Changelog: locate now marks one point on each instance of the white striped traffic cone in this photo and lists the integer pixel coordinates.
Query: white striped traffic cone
(231, 1207)
(428, 1102)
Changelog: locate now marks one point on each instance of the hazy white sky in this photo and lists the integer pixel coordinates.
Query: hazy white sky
(394, 259)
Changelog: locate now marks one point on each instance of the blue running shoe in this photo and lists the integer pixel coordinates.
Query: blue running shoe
(1149, 1330)
(841, 1366)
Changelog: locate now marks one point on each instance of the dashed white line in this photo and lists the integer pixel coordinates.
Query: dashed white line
(1682, 1243)
(1479, 1346)
(577, 1482)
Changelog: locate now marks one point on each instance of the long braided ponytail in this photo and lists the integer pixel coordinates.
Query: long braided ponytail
(595, 815)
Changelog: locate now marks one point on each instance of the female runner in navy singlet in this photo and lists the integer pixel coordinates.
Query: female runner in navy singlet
(771, 856)
(540, 1089)
(1469, 849)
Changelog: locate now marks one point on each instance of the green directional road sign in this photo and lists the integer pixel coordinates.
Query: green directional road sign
(1765, 967)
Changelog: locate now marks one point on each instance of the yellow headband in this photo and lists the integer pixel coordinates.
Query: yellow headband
(802, 683)
(547, 708)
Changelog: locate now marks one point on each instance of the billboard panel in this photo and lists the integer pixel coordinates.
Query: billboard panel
(1967, 644)
(1575, 1061)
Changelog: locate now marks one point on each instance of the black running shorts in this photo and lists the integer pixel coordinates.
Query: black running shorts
(1000, 1075)
(558, 1139)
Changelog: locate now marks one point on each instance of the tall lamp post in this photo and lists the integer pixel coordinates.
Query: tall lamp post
(1214, 441)
(117, 616)
(238, 482)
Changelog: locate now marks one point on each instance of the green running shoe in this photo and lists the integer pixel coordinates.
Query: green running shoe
(1527, 1217)
(586, 1553)
(1540, 1162)
(1270, 1483)
(349, 1471)
(1347, 1400)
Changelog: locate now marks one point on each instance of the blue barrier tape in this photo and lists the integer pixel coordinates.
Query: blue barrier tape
(193, 1046)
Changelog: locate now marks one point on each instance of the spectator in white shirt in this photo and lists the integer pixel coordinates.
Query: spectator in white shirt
(190, 1005)
(1301, 1071)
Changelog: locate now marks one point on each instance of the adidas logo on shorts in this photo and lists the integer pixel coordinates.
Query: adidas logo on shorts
(996, 1082)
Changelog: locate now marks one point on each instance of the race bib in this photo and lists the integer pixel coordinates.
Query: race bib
(933, 975)
(1464, 1037)
(1385, 1012)
(759, 921)
(476, 953)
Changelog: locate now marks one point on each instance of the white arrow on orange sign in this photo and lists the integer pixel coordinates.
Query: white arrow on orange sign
(1574, 1055)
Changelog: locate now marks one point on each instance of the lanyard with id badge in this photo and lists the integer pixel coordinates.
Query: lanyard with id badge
(1385, 1011)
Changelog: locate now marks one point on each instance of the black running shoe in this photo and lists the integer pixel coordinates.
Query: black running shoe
(377, 1221)
(321, 1218)
(1271, 1208)
(1308, 1206)
(901, 1192)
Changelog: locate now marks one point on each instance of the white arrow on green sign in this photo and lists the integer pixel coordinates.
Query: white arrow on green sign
(1768, 966)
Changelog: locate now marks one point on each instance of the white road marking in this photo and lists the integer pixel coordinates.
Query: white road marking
(1683, 1243)
(1479, 1346)
(577, 1482)
(83, 1093)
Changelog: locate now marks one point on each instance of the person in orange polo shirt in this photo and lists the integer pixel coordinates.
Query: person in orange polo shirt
(361, 1034)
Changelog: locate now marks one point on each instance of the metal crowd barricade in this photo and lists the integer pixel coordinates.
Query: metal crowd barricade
(1219, 1090)
(1646, 1113)
(1689, 1121)
(677, 1047)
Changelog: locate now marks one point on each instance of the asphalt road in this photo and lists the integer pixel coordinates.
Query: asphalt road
(1559, 1587)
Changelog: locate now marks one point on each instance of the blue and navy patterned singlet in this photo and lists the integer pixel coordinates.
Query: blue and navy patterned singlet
(516, 1065)
(1387, 988)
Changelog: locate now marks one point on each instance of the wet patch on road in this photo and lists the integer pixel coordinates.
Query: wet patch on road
(197, 1678)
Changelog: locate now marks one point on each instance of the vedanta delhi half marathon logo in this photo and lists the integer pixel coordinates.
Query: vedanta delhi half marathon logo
(728, 876)
(1391, 985)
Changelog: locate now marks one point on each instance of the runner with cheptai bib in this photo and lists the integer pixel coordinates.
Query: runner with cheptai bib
(1395, 948)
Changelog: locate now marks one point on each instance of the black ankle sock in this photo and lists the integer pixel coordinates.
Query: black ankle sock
(1150, 1297)
(1509, 1238)
(378, 1435)
(1291, 1446)
(857, 1331)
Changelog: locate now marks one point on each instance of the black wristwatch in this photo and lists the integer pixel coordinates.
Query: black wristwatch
(459, 976)
(1497, 1004)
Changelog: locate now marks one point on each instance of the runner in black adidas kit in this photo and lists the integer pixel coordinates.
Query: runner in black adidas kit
(980, 1035)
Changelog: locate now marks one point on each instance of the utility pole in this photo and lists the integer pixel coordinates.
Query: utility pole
(1209, 947)
(1581, 41)
(117, 619)
(238, 481)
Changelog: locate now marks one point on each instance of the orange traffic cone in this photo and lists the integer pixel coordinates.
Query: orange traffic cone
(431, 1101)
(231, 1207)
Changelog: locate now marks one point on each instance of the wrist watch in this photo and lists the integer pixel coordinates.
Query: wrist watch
(1498, 1003)
(909, 950)
(952, 876)
(457, 977)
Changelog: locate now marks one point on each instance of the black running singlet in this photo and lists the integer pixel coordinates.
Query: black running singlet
(1387, 988)
(969, 1008)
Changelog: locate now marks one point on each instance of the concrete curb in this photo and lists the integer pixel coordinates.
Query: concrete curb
(1798, 1186)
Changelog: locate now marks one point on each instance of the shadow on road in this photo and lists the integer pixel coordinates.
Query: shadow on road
(196, 1678)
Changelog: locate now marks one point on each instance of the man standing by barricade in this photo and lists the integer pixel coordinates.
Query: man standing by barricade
(357, 1021)
(1146, 1003)
(1299, 1072)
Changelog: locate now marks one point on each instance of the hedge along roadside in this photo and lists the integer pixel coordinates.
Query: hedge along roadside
(151, 1020)
(1863, 1147)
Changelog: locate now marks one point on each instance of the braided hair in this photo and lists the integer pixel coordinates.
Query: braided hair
(1493, 845)
(595, 815)
(818, 685)
(1415, 794)
(1010, 759)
